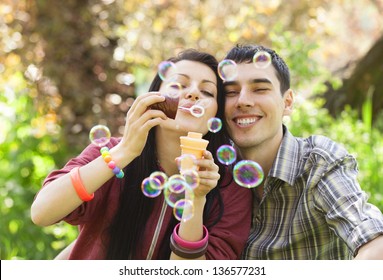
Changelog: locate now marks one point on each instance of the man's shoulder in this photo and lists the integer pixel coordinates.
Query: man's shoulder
(322, 148)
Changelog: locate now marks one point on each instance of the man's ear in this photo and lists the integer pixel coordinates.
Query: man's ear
(288, 99)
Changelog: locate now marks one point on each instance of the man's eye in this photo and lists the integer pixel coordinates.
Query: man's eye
(260, 90)
(231, 92)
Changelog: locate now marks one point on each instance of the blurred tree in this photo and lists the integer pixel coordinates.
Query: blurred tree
(364, 82)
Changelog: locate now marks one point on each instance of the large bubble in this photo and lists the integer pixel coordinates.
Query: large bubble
(248, 173)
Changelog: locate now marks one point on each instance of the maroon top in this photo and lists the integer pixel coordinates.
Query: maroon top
(226, 238)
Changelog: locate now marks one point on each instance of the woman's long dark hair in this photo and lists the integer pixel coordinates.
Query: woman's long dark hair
(128, 225)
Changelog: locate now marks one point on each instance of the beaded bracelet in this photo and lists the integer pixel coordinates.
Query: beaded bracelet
(192, 245)
(79, 186)
(185, 253)
(111, 164)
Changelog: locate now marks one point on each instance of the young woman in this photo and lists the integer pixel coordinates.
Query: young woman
(119, 222)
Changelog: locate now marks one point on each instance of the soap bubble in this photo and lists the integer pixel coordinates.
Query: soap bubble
(176, 189)
(173, 89)
(183, 209)
(248, 173)
(99, 135)
(191, 178)
(227, 70)
(226, 154)
(186, 161)
(165, 69)
(151, 187)
(161, 177)
(261, 59)
(214, 124)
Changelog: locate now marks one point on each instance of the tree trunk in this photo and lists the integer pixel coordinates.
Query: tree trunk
(366, 76)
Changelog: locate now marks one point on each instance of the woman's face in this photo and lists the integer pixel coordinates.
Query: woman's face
(197, 86)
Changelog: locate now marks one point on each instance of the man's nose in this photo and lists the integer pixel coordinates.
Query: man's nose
(244, 99)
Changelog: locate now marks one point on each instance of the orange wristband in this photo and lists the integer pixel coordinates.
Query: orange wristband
(79, 186)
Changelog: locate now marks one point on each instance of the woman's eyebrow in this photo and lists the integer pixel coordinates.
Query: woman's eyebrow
(203, 81)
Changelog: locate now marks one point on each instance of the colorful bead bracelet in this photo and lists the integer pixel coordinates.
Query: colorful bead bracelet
(111, 164)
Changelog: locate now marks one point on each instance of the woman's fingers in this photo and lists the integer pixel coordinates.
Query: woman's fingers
(145, 100)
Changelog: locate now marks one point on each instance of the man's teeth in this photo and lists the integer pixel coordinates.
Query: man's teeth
(246, 121)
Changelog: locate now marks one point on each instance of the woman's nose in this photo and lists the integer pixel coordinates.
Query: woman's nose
(193, 93)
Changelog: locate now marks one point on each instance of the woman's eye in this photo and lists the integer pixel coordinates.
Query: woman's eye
(208, 93)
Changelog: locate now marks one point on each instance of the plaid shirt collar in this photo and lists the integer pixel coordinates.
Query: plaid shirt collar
(286, 164)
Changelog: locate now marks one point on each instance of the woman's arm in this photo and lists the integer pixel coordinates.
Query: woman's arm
(59, 198)
(191, 230)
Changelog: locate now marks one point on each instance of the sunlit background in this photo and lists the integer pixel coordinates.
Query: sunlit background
(68, 65)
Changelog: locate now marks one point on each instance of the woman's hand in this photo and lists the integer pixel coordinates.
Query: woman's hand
(208, 174)
(139, 121)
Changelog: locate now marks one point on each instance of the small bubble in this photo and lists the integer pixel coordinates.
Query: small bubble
(173, 89)
(183, 209)
(165, 69)
(227, 70)
(214, 125)
(186, 161)
(176, 189)
(161, 177)
(261, 59)
(151, 187)
(226, 154)
(100, 135)
(191, 178)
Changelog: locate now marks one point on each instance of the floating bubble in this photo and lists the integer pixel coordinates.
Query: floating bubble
(183, 209)
(165, 68)
(191, 178)
(261, 59)
(176, 183)
(248, 173)
(227, 70)
(99, 135)
(186, 161)
(214, 124)
(173, 89)
(226, 154)
(161, 177)
(151, 187)
(176, 189)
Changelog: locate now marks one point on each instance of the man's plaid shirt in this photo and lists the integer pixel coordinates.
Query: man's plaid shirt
(312, 206)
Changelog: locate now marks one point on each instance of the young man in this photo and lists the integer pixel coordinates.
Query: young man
(310, 205)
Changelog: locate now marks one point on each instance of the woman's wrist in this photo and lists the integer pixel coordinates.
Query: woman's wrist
(121, 155)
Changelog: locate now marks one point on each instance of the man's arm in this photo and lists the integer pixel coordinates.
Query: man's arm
(372, 250)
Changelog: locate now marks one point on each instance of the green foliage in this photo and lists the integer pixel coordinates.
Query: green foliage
(25, 161)
(357, 136)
